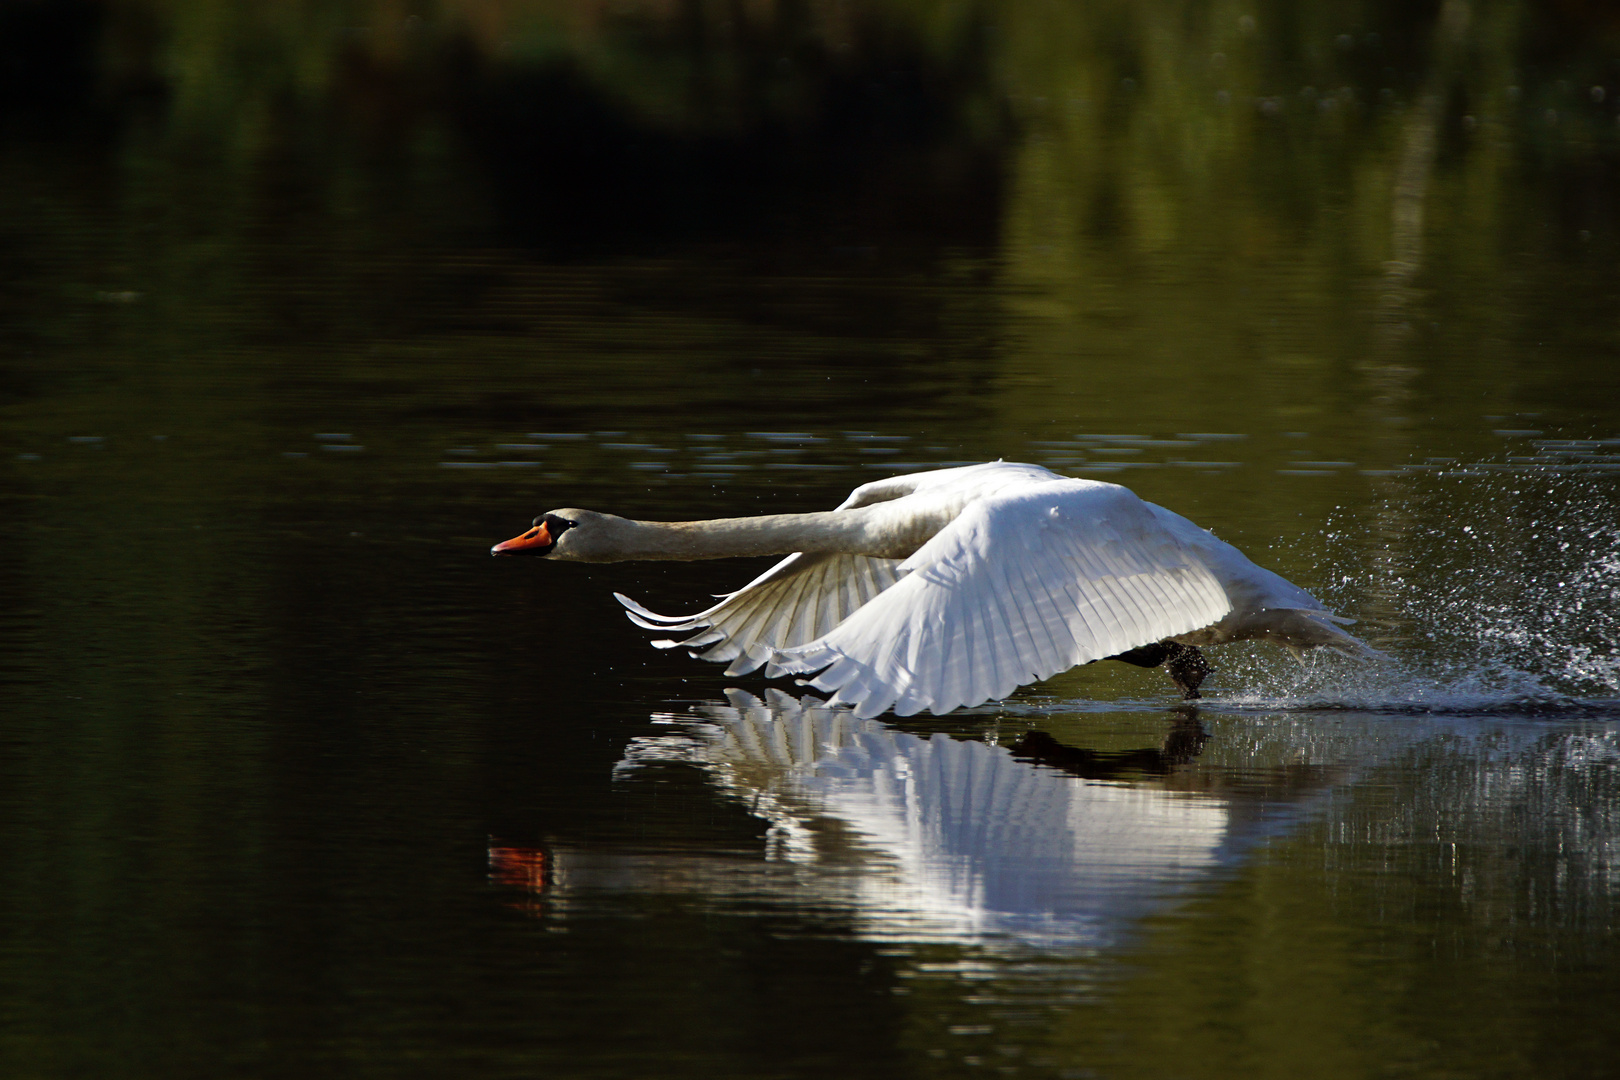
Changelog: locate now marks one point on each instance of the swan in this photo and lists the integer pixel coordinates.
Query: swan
(949, 588)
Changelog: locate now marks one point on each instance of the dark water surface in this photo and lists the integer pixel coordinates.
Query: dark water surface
(301, 310)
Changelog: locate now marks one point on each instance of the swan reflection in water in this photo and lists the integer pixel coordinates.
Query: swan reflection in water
(930, 838)
(903, 837)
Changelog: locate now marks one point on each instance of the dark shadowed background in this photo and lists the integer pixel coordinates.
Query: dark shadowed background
(303, 305)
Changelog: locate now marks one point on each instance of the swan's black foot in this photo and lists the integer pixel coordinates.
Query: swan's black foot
(1188, 669)
(1186, 665)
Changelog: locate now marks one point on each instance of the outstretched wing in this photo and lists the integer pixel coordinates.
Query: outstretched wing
(1020, 586)
(798, 600)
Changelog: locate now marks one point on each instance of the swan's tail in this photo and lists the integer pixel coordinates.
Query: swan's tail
(1300, 629)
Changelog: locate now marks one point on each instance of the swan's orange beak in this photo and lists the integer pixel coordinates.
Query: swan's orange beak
(535, 540)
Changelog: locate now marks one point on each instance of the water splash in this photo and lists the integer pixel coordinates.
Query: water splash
(1494, 587)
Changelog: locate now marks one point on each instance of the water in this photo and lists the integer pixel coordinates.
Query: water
(302, 311)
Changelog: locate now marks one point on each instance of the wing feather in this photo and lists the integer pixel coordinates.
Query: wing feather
(796, 601)
(1086, 563)
(1050, 635)
(1006, 674)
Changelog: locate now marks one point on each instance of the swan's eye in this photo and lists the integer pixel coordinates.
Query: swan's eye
(555, 525)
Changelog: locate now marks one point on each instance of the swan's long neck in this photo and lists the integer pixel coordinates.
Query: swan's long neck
(850, 532)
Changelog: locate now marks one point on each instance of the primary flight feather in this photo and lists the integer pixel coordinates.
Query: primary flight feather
(936, 590)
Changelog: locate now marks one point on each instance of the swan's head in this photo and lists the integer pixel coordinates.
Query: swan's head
(565, 535)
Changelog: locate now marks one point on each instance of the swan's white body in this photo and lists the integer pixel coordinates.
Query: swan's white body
(941, 589)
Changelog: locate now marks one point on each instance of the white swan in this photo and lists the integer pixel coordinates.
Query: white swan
(940, 589)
